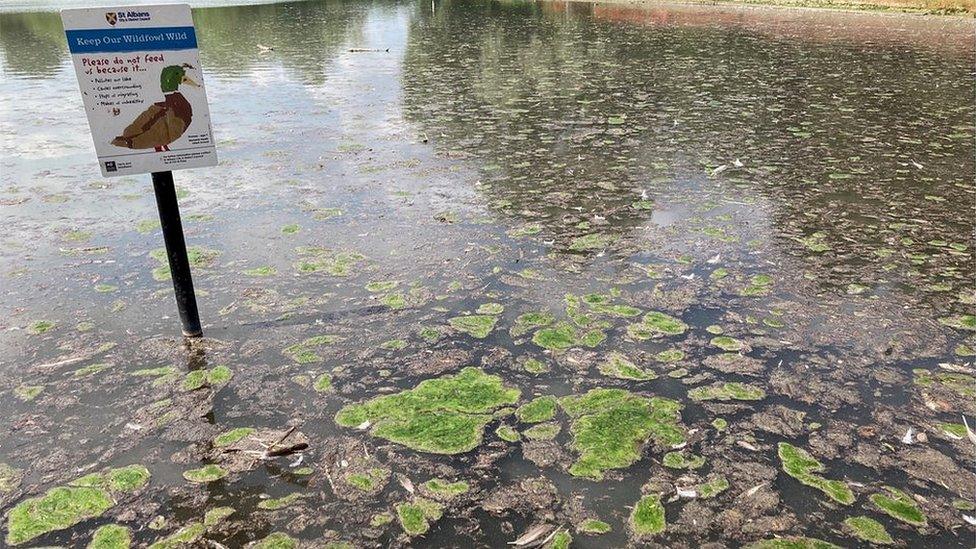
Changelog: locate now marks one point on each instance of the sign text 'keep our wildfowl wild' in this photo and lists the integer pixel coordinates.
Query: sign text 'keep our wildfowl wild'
(141, 81)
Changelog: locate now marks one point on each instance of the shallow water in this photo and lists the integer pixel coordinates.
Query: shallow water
(509, 153)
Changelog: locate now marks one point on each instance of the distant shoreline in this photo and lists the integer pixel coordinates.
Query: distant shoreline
(966, 8)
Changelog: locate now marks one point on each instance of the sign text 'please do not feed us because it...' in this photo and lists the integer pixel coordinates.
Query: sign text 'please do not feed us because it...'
(138, 68)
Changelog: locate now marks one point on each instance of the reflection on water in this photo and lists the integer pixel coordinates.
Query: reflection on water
(795, 186)
(572, 115)
(305, 36)
(33, 43)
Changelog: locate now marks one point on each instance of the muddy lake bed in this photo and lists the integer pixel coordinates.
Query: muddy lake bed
(473, 274)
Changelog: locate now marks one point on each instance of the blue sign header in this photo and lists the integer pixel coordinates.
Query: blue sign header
(129, 40)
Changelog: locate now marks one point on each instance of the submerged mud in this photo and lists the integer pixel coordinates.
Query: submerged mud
(549, 274)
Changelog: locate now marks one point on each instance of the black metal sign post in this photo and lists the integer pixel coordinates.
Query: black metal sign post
(179, 263)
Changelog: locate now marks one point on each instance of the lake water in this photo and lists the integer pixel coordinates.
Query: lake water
(793, 189)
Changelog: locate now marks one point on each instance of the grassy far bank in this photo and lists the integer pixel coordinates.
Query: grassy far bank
(954, 7)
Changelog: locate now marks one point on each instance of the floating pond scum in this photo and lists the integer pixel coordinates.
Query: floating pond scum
(500, 274)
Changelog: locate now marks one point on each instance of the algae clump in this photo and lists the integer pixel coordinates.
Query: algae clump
(727, 343)
(394, 345)
(610, 426)
(369, 480)
(445, 415)
(491, 309)
(394, 300)
(64, 506)
(625, 311)
(712, 487)
(542, 431)
(719, 274)
(442, 489)
(727, 391)
(430, 335)
(670, 355)
(305, 352)
(266, 270)
(28, 393)
(507, 433)
(868, 529)
(538, 410)
(799, 464)
(322, 383)
(647, 518)
(477, 326)
(273, 504)
(960, 322)
(162, 374)
(562, 540)
(899, 505)
(197, 256)
(954, 430)
(182, 538)
(962, 384)
(234, 435)
(656, 324)
(563, 335)
(217, 515)
(208, 473)
(59, 508)
(617, 365)
(524, 323)
(557, 338)
(792, 543)
(276, 540)
(815, 242)
(38, 327)
(535, 366)
(91, 369)
(758, 286)
(333, 263)
(111, 536)
(964, 350)
(381, 286)
(123, 479)
(200, 378)
(380, 519)
(591, 241)
(415, 517)
(593, 526)
(678, 460)
(592, 338)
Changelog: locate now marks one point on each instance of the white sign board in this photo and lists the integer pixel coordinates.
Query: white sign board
(139, 72)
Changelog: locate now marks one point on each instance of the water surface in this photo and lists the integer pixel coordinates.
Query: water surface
(800, 181)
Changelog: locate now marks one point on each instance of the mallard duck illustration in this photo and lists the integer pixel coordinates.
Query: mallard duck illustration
(163, 122)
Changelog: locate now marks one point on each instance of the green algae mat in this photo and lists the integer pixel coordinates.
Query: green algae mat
(610, 425)
(64, 506)
(443, 416)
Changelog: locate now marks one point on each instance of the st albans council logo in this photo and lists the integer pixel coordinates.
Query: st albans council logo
(114, 17)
